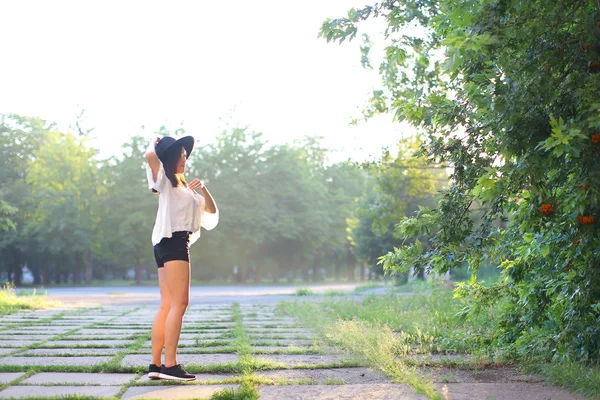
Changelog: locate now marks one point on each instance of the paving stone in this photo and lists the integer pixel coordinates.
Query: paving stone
(211, 342)
(16, 343)
(278, 330)
(327, 376)
(174, 392)
(281, 342)
(295, 359)
(62, 378)
(41, 361)
(142, 360)
(26, 337)
(193, 350)
(340, 392)
(503, 391)
(113, 332)
(200, 378)
(262, 323)
(58, 351)
(275, 349)
(213, 331)
(6, 377)
(85, 343)
(208, 327)
(188, 336)
(185, 342)
(274, 336)
(97, 338)
(207, 338)
(51, 391)
(207, 350)
(44, 330)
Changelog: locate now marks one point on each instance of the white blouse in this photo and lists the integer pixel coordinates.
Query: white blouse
(179, 209)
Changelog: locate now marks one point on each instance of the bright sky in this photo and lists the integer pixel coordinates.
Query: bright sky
(133, 63)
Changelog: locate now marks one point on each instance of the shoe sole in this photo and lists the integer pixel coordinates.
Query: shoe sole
(174, 378)
(154, 375)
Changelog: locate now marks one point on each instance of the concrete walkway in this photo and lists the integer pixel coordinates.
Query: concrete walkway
(104, 351)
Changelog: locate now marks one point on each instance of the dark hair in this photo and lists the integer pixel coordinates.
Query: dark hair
(170, 163)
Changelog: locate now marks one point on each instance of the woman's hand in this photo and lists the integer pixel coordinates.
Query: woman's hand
(211, 206)
(196, 184)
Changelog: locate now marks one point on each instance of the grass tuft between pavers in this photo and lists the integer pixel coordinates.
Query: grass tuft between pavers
(114, 364)
(373, 344)
(244, 365)
(20, 379)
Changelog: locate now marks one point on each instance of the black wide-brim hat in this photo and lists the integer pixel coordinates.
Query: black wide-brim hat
(168, 146)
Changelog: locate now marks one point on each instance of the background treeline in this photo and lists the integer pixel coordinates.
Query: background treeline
(286, 212)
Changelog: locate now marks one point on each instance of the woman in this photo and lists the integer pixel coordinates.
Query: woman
(181, 213)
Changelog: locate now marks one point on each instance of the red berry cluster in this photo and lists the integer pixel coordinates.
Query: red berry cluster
(585, 219)
(546, 209)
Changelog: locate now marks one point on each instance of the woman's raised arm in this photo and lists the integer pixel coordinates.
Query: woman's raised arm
(152, 158)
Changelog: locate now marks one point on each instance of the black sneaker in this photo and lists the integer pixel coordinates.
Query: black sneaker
(175, 373)
(153, 371)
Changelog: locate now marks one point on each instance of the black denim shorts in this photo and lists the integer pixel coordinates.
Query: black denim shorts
(176, 247)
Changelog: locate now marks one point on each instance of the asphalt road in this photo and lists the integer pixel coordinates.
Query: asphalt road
(104, 295)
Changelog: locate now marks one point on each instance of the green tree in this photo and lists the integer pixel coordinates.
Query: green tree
(399, 185)
(19, 139)
(65, 220)
(233, 169)
(506, 92)
(290, 206)
(129, 210)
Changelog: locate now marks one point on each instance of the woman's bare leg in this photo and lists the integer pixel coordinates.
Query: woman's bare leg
(158, 327)
(177, 274)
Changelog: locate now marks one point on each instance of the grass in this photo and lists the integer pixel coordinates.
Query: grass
(377, 345)
(245, 365)
(11, 302)
(246, 391)
(304, 292)
(583, 379)
(334, 293)
(384, 330)
(368, 286)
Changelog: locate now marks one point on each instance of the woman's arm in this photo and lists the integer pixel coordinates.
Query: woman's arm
(211, 206)
(152, 158)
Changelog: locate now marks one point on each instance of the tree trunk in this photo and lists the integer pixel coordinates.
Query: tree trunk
(362, 272)
(350, 272)
(44, 267)
(243, 271)
(16, 269)
(277, 270)
(77, 270)
(88, 268)
(316, 264)
(305, 274)
(56, 273)
(138, 271)
(35, 271)
(257, 277)
(351, 263)
(337, 270)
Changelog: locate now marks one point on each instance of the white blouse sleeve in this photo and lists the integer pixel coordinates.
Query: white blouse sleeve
(161, 178)
(208, 220)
